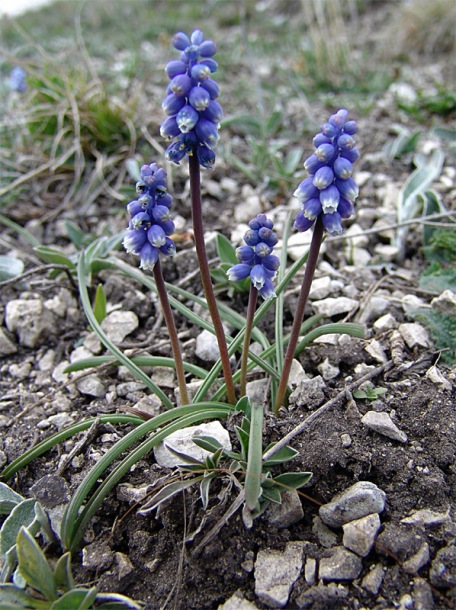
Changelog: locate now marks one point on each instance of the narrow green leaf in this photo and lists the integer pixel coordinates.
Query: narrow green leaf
(54, 256)
(99, 305)
(33, 565)
(168, 492)
(254, 458)
(187, 460)
(271, 494)
(285, 454)
(293, 480)
(432, 204)
(207, 442)
(340, 328)
(225, 250)
(63, 574)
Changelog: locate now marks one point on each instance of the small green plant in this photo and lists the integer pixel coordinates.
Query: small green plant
(39, 586)
(369, 392)
(247, 466)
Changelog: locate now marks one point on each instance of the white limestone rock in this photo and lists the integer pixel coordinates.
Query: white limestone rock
(361, 499)
(382, 423)
(276, 572)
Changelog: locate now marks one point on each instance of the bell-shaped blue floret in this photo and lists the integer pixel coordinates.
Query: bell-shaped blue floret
(238, 272)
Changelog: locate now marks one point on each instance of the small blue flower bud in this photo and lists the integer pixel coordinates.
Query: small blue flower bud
(271, 262)
(169, 128)
(156, 236)
(320, 139)
(267, 291)
(134, 207)
(200, 72)
(169, 247)
(148, 256)
(187, 118)
(181, 84)
(251, 237)
(262, 249)
(342, 168)
(328, 130)
(207, 48)
(210, 63)
(258, 276)
(180, 41)
(351, 127)
(211, 87)
(325, 152)
(345, 208)
(312, 164)
(17, 80)
(175, 67)
(175, 152)
(207, 132)
(329, 198)
(302, 223)
(306, 190)
(199, 98)
(238, 272)
(140, 221)
(245, 254)
(160, 213)
(323, 177)
(311, 208)
(345, 142)
(173, 103)
(134, 241)
(145, 201)
(348, 188)
(197, 37)
(213, 112)
(205, 156)
(338, 119)
(352, 155)
(332, 224)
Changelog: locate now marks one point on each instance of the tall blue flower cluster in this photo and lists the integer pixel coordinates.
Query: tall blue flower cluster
(330, 189)
(190, 103)
(150, 223)
(255, 257)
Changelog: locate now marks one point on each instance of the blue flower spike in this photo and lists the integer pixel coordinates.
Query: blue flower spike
(255, 257)
(150, 223)
(193, 113)
(330, 190)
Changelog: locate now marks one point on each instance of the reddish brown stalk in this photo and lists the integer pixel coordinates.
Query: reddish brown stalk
(174, 339)
(253, 297)
(198, 230)
(304, 295)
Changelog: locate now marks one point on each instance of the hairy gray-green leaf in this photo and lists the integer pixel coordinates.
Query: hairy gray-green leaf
(77, 599)
(33, 565)
(10, 267)
(8, 499)
(22, 515)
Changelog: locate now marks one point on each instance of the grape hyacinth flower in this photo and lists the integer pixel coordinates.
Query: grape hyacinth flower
(17, 80)
(148, 236)
(150, 224)
(255, 257)
(192, 125)
(190, 103)
(257, 262)
(330, 190)
(326, 197)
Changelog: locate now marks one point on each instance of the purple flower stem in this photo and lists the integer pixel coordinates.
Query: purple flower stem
(175, 344)
(251, 308)
(195, 192)
(299, 315)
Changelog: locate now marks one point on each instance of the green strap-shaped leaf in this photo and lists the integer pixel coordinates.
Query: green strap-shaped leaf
(77, 599)
(254, 458)
(33, 565)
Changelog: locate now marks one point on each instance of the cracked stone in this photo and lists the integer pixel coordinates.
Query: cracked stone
(119, 324)
(359, 535)
(418, 560)
(29, 319)
(276, 572)
(414, 334)
(341, 565)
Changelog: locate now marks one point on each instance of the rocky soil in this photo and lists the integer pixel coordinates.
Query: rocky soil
(375, 527)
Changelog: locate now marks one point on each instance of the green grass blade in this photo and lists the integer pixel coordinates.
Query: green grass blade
(133, 368)
(87, 363)
(73, 523)
(341, 328)
(7, 222)
(254, 458)
(57, 438)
